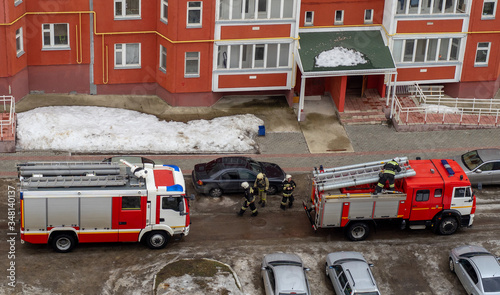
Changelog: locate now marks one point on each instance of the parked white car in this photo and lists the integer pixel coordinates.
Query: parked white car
(284, 274)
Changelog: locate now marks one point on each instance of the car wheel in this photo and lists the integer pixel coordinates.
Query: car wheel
(63, 243)
(157, 240)
(451, 264)
(357, 231)
(273, 190)
(215, 192)
(448, 225)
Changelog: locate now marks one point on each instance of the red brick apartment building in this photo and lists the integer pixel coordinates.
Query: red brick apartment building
(191, 53)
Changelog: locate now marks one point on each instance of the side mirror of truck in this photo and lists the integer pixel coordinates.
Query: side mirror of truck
(181, 207)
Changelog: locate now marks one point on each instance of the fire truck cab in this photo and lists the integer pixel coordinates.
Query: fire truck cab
(65, 203)
(432, 194)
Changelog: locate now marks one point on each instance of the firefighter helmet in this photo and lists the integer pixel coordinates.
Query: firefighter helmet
(288, 176)
(245, 185)
(260, 176)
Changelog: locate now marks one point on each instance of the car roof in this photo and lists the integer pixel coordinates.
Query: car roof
(488, 265)
(288, 276)
(356, 265)
(489, 154)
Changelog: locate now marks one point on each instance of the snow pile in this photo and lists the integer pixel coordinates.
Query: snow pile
(99, 129)
(339, 56)
(433, 108)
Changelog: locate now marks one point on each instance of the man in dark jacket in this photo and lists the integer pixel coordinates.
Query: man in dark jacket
(249, 200)
(390, 170)
(288, 187)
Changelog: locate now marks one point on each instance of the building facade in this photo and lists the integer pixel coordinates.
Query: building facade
(191, 53)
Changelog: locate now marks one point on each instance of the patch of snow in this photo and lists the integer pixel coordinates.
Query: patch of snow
(99, 129)
(432, 108)
(339, 56)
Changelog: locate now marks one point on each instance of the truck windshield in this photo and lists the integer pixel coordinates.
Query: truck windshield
(471, 160)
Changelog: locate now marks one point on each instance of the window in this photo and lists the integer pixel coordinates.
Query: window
(339, 17)
(427, 50)
(438, 193)
(164, 10)
(309, 19)
(463, 192)
(489, 8)
(192, 67)
(431, 6)
(422, 195)
(131, 203)
(262, 9)
(55, 36)
(19, 42)
(273, 55)
(127, 8)
(128, 55)
(255, 9)
(170, 203)
(17, 2)
(482, 54)
(369, 16)
(469, 269)
(163, 58)
(194, 14)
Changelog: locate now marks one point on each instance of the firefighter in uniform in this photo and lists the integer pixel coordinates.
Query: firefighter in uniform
(390, 170)
(249, 200)
(261, 186)
(288, 187)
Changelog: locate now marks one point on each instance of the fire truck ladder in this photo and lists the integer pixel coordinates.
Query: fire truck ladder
(40, 169)
(74, 181)
(358, 174)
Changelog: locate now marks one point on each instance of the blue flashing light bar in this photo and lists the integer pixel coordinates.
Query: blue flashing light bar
(448, 168)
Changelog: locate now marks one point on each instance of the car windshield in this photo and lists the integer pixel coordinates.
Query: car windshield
(491, 284)
(471, 160)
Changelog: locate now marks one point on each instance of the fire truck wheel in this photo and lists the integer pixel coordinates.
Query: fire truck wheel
(63, 243)
(215, 192)
(452, 265)
(357, 231)
(157, 240)
(448, 225)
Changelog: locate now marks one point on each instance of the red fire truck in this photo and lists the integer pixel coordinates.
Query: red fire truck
(65, 203)
(432, 194)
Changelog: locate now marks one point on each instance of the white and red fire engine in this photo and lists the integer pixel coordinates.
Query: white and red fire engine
(65, 203)
(428, 194)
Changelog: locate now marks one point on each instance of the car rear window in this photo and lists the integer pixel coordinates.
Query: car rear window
(471, 160)
(491, 284)
(213, 167)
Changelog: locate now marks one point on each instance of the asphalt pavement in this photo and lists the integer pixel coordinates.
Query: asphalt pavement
(297, 147)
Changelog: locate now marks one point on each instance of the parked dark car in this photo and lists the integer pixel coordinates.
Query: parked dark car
(481, 166)
(225, 175)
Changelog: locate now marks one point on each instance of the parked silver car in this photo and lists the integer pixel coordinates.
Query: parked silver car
(284, 274)
(350, 274)
(481, 166)
(477, 269)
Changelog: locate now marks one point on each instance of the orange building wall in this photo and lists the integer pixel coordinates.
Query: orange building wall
(354, 11)
(429, 26)
(337, 88)
(261, 80)
(264, 31)
(432, 73)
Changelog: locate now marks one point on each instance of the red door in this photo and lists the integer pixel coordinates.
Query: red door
(129, 217)
(426, 203)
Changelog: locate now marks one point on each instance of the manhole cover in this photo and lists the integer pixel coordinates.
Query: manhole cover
(259, 222)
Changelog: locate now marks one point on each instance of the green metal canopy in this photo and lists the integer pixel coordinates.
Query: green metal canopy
(369, 43)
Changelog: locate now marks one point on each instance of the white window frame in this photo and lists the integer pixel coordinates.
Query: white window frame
(123, 51)
(163, 5)
(311, 23)
(241, 56)
(52, 37)
(124, 14)
(370, 20)
(488, 50)
(19, 37)
(163, 58)
(194, 25)
(489, 16)
(186, 59)
(449, 49)
(341, 21)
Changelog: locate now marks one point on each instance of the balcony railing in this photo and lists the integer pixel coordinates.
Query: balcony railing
(7, 119)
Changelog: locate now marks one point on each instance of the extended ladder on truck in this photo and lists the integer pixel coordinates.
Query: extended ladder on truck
(358, 174)
(72, 174)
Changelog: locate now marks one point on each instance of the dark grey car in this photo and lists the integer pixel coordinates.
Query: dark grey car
(225, 175)
(477, 269)
(481, 166)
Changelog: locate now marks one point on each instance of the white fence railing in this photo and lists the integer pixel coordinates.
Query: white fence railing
(8, 112)
(450, 110)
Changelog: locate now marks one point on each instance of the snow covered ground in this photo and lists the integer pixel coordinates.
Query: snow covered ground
(99, 129)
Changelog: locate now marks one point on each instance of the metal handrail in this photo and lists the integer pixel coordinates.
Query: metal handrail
(8, 103)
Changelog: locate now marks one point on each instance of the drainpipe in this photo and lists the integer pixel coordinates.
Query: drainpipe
(92, 86)
(301, 98)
